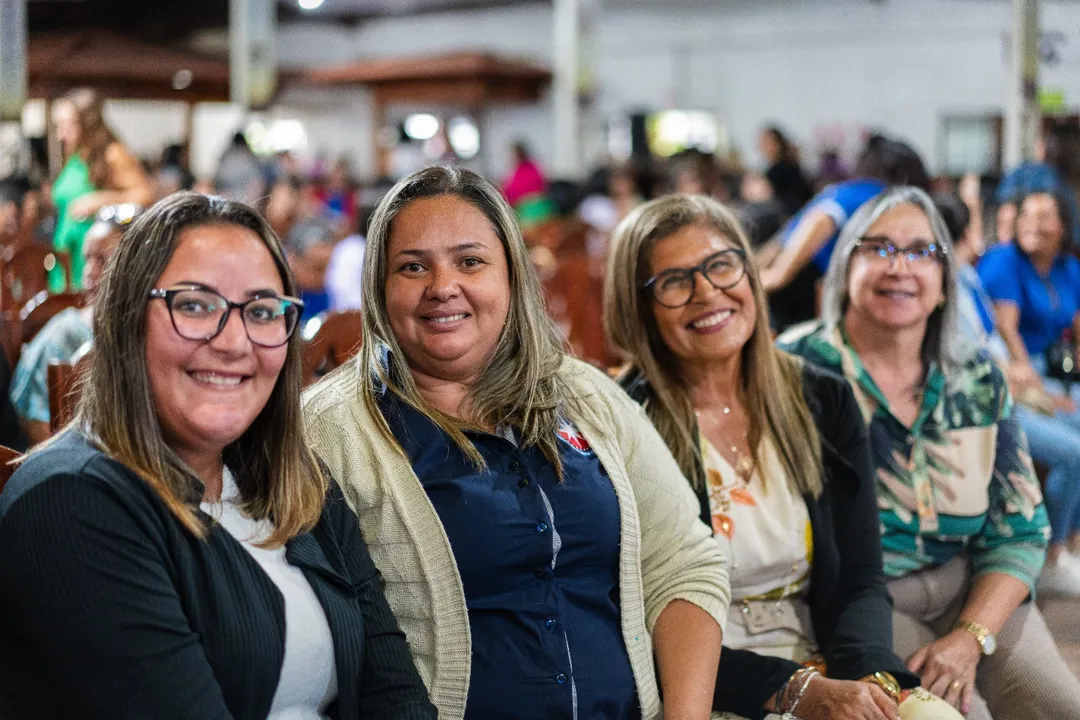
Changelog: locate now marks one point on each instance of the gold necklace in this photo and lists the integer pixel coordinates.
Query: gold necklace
(743, 464)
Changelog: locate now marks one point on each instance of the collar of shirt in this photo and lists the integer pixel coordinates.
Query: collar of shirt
(857, 374)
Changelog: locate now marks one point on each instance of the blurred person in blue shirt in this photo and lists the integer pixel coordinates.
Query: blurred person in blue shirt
(800, 254)
(1042, 175)
(1053, 441)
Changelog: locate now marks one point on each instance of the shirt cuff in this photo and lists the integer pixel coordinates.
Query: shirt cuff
(1023, 562)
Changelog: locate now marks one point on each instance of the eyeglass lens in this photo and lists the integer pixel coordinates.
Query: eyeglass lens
(675, 288)
(885, 251)
(200, 314)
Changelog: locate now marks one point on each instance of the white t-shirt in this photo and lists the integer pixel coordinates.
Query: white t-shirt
(308, 682)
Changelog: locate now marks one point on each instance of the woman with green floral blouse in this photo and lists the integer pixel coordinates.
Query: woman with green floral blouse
(964, 530)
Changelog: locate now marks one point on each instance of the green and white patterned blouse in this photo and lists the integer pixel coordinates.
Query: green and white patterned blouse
(959, 479)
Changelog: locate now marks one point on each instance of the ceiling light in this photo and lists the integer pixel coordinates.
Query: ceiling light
(182, 79)
(464, 138)
(421, 126)
(309, 4)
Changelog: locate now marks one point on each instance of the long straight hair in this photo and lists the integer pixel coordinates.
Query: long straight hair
(277, 474)
(95, 137)
(771, 379)
(519, 385)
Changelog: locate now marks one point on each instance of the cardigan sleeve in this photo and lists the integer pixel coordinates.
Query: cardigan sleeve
(90, 606)
(680, 560)
(390, 686)
(858, 636)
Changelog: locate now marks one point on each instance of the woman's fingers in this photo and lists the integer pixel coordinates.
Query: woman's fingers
(965, 698)
(953, 693)
(883, 704)
(917, 660)
(938, 684)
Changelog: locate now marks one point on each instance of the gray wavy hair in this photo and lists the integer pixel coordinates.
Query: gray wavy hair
(942, 343)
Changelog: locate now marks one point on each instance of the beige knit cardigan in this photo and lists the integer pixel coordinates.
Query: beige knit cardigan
(665, 553)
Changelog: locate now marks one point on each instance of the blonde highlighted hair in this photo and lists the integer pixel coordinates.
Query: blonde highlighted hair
(277, 474)
(519, 385)
(772, 385)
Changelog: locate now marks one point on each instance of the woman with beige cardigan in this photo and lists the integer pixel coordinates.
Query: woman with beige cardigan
(539, 544)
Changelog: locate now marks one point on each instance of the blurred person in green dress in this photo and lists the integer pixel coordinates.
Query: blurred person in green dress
(98, 171)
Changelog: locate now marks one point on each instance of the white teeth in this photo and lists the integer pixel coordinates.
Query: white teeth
(712, 320)
(214, 379)
(449, 318)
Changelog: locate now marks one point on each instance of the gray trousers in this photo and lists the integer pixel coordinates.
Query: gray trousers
(1026, 679)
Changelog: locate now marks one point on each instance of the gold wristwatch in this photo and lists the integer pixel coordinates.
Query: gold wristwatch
(986, 639)
(886, 682)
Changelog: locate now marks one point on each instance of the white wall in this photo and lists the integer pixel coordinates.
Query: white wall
(824, 69)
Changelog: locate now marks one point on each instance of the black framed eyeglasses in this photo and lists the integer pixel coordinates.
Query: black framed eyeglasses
(882, 250)
(198, 313)
(674, 288)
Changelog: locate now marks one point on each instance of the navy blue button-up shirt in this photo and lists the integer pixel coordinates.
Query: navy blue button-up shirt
(539, 562)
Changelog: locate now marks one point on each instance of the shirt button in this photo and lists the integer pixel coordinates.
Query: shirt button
(514, 466)
(523, 483)
(550, 623)
(542, 528)
(560, 678)
(540, 573)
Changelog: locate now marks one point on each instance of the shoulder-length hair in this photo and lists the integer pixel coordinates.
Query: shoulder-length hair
(276, 472)
(95, 137)
(942, 343)
(519, 385)
(772, 384)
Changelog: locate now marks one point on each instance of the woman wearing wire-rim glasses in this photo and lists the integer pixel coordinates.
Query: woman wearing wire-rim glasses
(964, 530)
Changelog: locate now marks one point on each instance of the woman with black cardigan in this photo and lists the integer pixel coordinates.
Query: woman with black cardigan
(778, 455)
(178, 552)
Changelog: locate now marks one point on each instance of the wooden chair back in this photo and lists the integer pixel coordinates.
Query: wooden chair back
(26, 269)
(43, 307)
(10, 337)
(338, 338)
(64, 388)
(7, 455)
(575, 303)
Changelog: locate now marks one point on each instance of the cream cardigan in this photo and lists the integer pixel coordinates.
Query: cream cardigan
(665, 553)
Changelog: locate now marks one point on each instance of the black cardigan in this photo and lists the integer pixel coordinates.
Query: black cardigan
(849, 605)
(111, 609)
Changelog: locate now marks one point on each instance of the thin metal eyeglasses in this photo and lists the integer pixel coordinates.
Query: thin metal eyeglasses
(918, 254)
(674, 288)
(198, 313)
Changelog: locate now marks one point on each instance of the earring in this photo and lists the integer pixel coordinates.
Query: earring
(941, 302)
